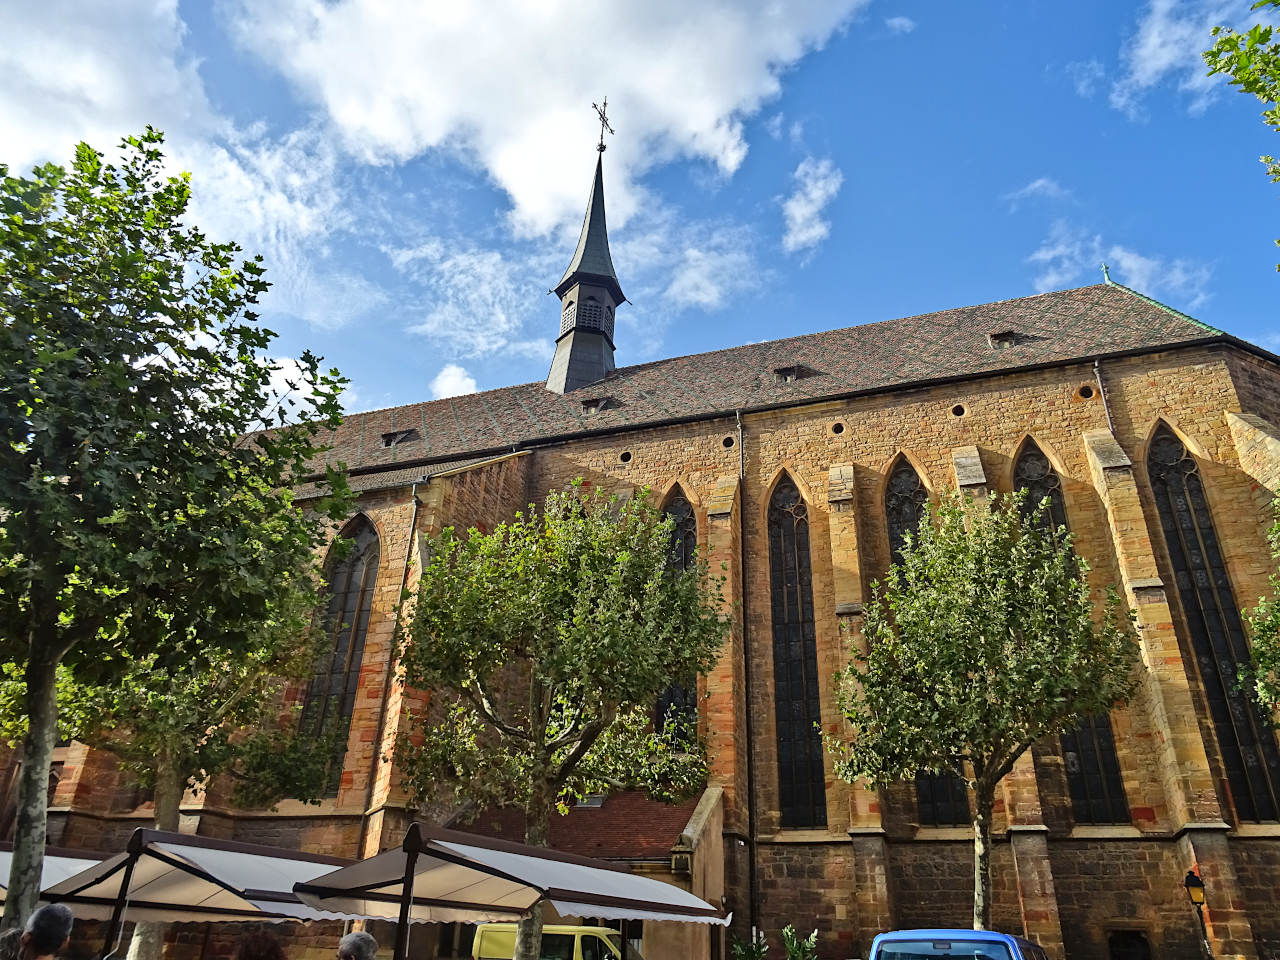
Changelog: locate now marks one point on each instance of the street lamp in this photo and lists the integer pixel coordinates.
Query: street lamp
(1195, 893)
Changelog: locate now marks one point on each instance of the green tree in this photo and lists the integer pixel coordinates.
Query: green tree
(132, 368)
(983, 641)
(545, 645)
(1263, 675)
(1251, 62)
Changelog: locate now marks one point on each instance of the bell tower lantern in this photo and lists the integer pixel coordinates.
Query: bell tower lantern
(589, 293)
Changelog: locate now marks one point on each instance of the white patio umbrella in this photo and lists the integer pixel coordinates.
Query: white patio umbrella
(174, 877)
(443, 875)
(59, 864)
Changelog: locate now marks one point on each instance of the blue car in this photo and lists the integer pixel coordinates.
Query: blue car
(971, 944)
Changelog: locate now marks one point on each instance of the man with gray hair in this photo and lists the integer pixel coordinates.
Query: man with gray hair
(48, 931)
(357, 946)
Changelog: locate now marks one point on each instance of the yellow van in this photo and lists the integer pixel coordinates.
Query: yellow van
(497, 941)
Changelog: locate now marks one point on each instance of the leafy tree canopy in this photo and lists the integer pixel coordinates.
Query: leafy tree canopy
(136, 511)
(544, 646)
(984, 639)
(1263, 674)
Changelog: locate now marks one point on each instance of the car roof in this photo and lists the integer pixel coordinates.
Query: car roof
(963, 935)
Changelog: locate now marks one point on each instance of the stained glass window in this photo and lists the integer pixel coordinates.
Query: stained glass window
(1247, 743)
(680, 699)
(801, 779)
(331, 696)
(1089, 749)
(904, 500)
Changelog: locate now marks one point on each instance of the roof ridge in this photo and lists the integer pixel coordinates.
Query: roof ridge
(1163, 306)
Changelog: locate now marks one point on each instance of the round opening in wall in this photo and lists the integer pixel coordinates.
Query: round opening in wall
(1085, 392)
(727, 442)
(837, 427)
(958, 410)
(626, 456)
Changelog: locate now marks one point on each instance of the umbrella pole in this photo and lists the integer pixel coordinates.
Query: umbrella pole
(122, 895)
(412, 844)
(622, 924)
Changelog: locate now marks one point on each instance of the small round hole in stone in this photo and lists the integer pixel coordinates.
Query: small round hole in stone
(626, 456)
(727, 442)
(1085, 392)
(837, 427)
(958, 410)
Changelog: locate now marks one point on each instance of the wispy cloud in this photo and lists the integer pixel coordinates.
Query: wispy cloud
(900, 24)
(414, 82)
(1086, 76)
(816, 184)
(1166, 45)
(1041, 188)
(1070, 254)
(452, 381)
(107, 70)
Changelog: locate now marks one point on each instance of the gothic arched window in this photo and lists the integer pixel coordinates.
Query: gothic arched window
(802, 796)
(331, 697)
(942, 799)
(904, 500)
(1248, 745)
(680, 700)
(1089, 749)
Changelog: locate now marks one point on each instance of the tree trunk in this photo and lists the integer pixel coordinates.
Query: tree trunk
(33, 783)
(529, 930)
(985, 797)
(147, 942)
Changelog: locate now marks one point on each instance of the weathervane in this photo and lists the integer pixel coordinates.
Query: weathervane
(601, 112)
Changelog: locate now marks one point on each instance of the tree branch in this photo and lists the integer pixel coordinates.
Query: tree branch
(480, 700)
(590, 734)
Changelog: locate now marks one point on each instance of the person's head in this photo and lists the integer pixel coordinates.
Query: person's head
(259, 945)
(47, 930)
(357, 946)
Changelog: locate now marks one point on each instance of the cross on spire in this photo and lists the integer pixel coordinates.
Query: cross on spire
(601, 112)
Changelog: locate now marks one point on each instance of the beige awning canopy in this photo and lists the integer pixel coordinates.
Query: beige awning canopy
(173, 877)
(58, 865)
(447, 876)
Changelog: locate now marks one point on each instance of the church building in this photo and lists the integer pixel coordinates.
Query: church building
(799, 464)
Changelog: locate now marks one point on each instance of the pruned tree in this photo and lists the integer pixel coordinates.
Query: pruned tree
(544, 646)
(135, 512)
(984, 639)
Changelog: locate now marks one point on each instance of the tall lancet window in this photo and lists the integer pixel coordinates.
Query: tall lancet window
(802, 792)
(1247, 743)
(1089, 749)
(680, 700)
(331, 697)
(941, 798)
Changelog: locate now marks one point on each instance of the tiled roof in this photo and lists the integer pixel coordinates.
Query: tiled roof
(1048, 328)
(626, 826)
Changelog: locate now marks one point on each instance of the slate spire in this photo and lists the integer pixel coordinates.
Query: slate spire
(589, 293)
(591, 259)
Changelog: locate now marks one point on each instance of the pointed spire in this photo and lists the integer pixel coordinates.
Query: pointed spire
(591, 260)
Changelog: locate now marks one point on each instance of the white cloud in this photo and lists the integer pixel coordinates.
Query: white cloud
(709, 276)
(1167, 44)
(817, 183)
(1041, 188)
(1070, 254)
(1086, 76)
(97, 72)
(398, 78)
(452, 381)
(474, 301)
(773, 126)
(900, 24)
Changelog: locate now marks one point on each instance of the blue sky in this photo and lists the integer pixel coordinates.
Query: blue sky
(415, 174)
